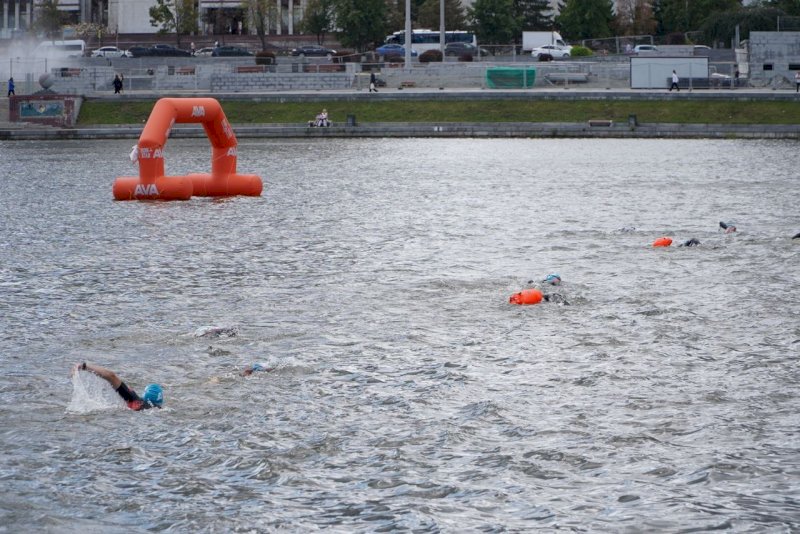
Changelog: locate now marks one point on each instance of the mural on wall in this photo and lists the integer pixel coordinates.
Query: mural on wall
(33, 109)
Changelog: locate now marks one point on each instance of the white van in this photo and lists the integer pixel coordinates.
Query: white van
(60, 49)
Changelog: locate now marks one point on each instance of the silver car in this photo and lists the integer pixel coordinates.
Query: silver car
(553, 51)
(109, 51)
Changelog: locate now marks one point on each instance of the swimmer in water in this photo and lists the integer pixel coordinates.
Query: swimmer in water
(553, 279)
(796, 236)
(693, 242)
(217, 331)
(256, 367)
(728, 227)
(153, 396)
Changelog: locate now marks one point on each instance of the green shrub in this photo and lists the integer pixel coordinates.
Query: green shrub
(430, 56)
(265, 58)
(580, 51)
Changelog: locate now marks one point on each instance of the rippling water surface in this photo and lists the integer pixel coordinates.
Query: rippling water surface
(374, 275)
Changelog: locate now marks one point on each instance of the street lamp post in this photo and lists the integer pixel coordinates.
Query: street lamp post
(408, 35)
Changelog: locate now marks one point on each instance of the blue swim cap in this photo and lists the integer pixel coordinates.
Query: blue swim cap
(553, 278)
(153, 395)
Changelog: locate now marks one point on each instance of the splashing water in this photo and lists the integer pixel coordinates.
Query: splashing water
(91, 393)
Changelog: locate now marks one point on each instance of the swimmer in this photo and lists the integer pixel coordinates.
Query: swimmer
(693, 242)
(796, 236)
(728, 227)
(216, 331)
(256, 367)
(556, 298)
(553, 279)
(153, 395)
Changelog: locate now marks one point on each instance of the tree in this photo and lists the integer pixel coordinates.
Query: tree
(87, 30)
(533, 15)
(494, 21)
(49, 18)
(179, 16)
(454, 18)
(319, 17)
(635, 17)
(261, 13)
(586, 19)
(720, 27)
(362, 23)
(684, 16)
(790, 8)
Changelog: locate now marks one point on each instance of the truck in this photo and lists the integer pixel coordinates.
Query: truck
(531, 40)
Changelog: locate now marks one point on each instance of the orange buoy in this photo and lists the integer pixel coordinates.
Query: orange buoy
(151, 184)
(526, 296)
(662, 242)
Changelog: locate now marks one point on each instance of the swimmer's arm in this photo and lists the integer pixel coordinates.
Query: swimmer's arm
(106, 374)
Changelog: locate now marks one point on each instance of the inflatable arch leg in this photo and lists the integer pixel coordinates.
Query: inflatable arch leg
(151, 184)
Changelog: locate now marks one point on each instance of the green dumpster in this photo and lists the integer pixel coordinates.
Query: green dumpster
(510, 77)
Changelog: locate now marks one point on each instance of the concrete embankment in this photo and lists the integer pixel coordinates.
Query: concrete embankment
(591, 129)
(594, 129)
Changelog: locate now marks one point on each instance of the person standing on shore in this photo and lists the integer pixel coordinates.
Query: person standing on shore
(675, 80)
(373, 83)
(11, 87)
(117, 84)
(797, 82)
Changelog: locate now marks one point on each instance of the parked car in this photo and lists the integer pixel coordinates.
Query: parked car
(109, 51)
(205, 52)
(313, 50)
(230, 51)
(139, 51)
(553, 51)
(459, 49)
(393, 50)
(645, 49)
(165, 50)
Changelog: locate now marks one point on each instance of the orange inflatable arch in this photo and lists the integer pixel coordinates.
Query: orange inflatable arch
(151, 184)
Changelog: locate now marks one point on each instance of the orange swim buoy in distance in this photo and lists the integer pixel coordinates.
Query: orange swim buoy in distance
(526, 296)
(662, 242)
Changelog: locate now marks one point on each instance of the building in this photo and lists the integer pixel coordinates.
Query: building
(773, 55)
(133, 16)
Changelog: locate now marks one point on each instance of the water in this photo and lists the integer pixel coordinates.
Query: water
(408, 394)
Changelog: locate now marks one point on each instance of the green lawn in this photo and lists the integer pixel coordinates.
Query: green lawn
(241, 112)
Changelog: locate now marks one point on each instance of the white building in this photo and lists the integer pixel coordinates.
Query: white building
(133, 16)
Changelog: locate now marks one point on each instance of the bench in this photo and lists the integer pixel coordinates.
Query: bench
(408, 84)
(185, 71)
(250, 69)
(601, 122)
(68, 73)
(566, 77)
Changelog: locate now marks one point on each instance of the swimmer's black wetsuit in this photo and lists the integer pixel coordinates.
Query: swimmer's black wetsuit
(132, 398)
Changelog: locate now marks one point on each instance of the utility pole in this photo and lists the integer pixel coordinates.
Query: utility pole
(408, 35)
(441, 28)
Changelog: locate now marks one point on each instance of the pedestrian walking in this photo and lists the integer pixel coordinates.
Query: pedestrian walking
(373, 83)
(797, 82)
(675, 81)
(11, 87)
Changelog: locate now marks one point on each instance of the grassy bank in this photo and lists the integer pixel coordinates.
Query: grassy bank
(683, 111)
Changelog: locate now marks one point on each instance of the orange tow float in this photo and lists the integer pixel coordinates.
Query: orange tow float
(662, 242)
(526, 296)
(151, 184)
